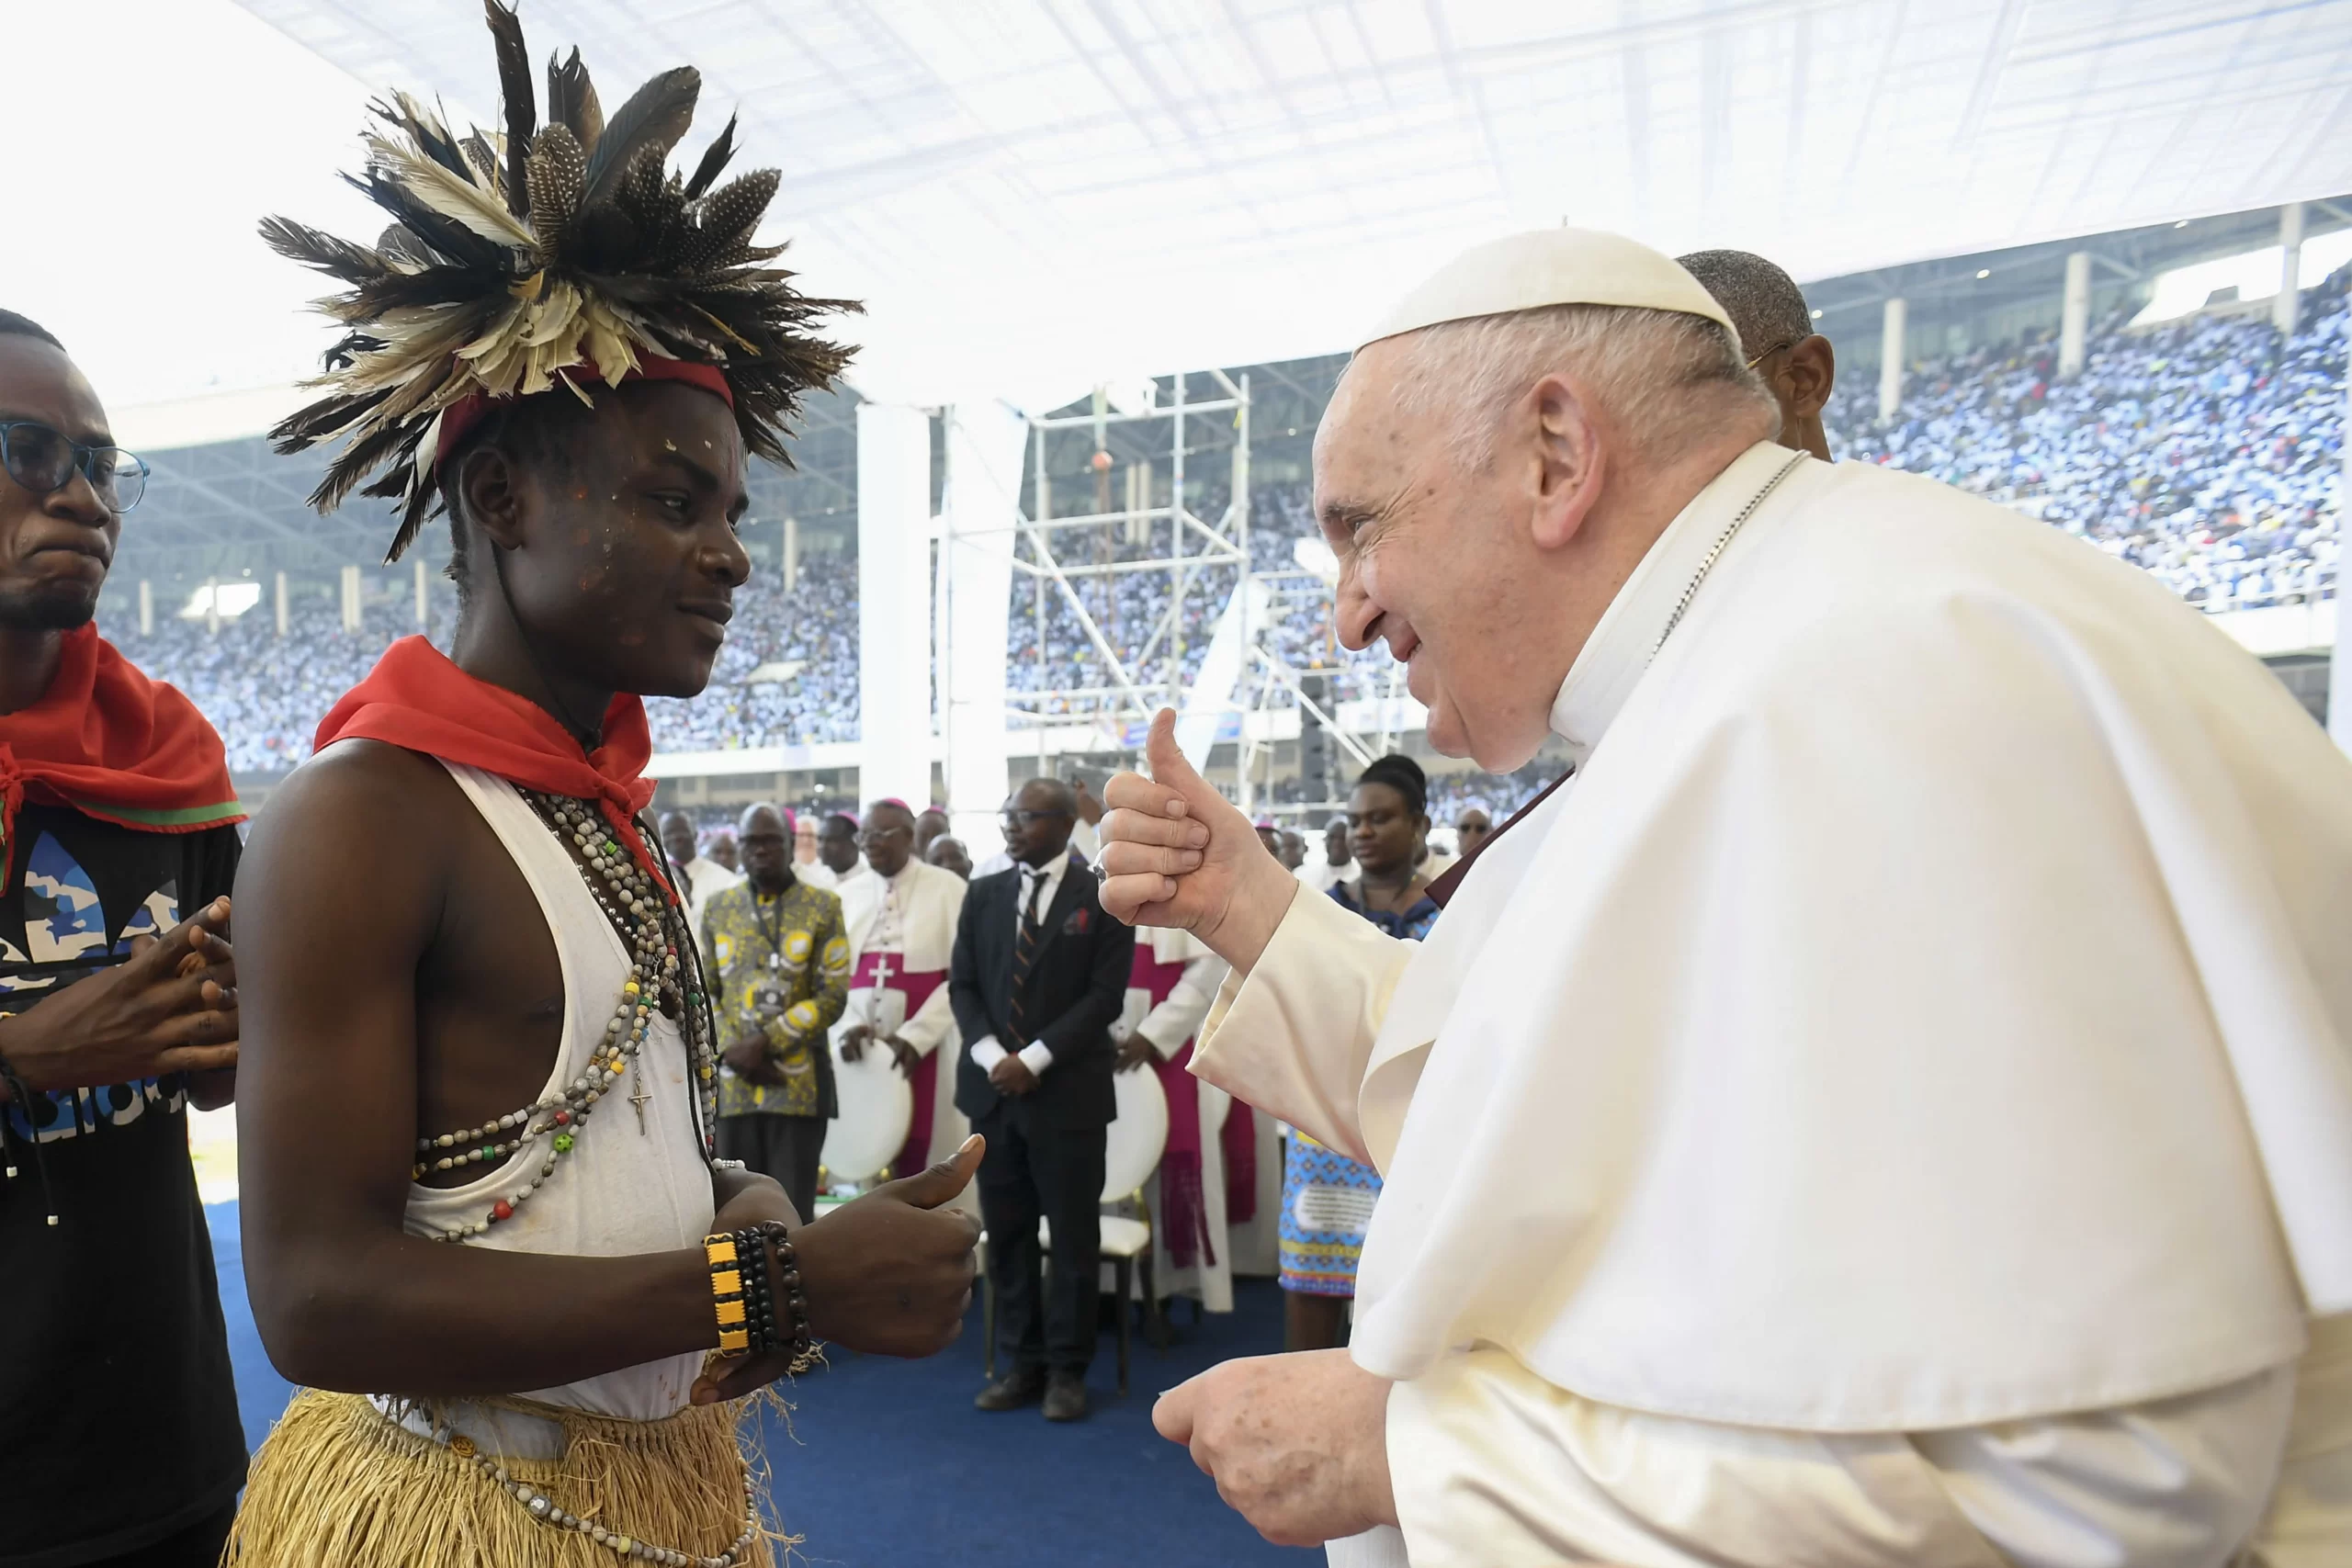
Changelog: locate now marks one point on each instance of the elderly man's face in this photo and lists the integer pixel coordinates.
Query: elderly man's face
(1437, 560)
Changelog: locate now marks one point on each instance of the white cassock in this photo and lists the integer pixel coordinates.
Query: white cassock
(705, 877)
(901, 936)
(1174, 978)
(816, 874)
(1894, 1107)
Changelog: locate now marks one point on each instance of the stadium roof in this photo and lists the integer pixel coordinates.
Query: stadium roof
(1035, 196)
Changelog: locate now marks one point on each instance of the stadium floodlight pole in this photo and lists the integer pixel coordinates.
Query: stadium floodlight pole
(2339, 700)
(1238, 518)
(1043, 510)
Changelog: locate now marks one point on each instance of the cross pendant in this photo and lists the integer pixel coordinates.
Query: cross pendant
(882, 971)
(639, 1100)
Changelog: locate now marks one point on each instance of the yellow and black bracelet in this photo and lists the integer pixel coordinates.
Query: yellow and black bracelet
(745, 1301)
(733, 1268)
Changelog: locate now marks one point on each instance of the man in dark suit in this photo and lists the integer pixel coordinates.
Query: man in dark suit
(1038, 979)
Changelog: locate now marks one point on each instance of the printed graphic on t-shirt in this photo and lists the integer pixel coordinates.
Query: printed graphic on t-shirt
(66, 939)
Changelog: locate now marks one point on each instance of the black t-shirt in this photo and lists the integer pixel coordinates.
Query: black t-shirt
(117, 1413)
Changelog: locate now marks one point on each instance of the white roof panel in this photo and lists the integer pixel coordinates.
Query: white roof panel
(1035, 194)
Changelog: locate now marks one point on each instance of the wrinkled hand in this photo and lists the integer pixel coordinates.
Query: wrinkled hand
(170, 1007)
(907, 1054)
(1178, 853)
(1133, 1052)
(1298, 1444)
(891, 1272)
(1011, 1076)
(752, 1063)
(853, 1041)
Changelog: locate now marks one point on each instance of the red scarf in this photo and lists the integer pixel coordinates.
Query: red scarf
(110, 743)
(416, 699)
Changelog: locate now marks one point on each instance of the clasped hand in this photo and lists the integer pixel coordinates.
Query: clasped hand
(857, 1036)
(170, 1007)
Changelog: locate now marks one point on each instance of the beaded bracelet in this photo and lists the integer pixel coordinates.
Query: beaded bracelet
(728, 1296)
(803, 1344)
(744, 1298)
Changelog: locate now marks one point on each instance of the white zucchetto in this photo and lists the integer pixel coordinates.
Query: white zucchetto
(1549, 266)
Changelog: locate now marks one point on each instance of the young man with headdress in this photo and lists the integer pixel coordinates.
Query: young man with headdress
(115, 814)
(476, 1124)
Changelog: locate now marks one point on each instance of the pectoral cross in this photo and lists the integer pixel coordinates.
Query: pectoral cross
(639, 1100)
(881, 984)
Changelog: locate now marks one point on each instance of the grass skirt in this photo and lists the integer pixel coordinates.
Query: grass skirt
(338, 1485)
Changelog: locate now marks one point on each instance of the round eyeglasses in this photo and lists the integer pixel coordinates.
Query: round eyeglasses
(45, 462)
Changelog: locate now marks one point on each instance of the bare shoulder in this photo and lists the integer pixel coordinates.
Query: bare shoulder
(359, 808)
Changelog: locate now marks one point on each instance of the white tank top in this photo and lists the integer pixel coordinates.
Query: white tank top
(617, 1193)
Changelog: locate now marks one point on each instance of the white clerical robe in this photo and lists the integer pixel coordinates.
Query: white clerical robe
(705, 877)
(1178, 965)
(1894, 1107)
(912, 915)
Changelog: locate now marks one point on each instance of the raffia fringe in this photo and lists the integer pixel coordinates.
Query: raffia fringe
(337, 1486)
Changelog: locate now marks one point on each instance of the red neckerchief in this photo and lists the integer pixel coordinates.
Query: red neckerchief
(109, 742)
(417, 699)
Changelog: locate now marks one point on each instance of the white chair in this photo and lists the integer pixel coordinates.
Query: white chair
(878, 1107)
(1131, 1152)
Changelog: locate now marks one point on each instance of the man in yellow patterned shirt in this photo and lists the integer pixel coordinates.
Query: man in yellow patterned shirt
(777, 959)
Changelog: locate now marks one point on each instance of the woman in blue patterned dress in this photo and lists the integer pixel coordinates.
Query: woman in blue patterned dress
(1327, 1197)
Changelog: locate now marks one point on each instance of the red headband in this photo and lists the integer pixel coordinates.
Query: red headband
(463, 415)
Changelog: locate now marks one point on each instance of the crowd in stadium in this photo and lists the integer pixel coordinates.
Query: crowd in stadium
(2195, 450)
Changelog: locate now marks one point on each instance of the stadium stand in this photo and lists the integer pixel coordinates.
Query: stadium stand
(2196, 450)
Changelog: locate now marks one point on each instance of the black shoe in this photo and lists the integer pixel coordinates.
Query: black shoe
(1066, 1397)
(1012, 1391)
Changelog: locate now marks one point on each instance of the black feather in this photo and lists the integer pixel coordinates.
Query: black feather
(453, 239)
(655, 116)
(571, 101)
(353, 462)
(714, 161)
(337, 258)
(521, 107)
(435, 140)
(315, 421)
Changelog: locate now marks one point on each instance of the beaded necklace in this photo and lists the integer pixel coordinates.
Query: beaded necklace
(650, 923)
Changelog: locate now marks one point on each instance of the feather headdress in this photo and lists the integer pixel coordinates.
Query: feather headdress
(534, 255)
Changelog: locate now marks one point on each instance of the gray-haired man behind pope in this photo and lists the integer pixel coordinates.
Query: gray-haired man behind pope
(1893, 1107)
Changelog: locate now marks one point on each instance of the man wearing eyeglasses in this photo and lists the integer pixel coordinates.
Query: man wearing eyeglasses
(1040, 977)
(115, 816)
(1768, 310)
(902, 916)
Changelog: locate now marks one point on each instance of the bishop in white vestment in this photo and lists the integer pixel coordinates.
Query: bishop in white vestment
(1894, 1107)
(901, 928)
(1173, 981)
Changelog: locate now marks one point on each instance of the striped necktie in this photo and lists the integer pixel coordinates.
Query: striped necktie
(1024, 944)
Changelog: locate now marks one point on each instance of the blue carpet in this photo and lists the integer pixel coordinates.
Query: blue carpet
(885, 1464)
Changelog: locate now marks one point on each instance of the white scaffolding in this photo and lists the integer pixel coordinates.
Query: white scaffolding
(1147, 526)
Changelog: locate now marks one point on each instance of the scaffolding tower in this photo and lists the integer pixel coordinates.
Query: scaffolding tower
(1147, 516)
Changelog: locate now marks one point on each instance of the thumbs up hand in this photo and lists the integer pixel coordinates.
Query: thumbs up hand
(1175, 852)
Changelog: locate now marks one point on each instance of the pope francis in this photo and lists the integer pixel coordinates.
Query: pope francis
(1894, 1107)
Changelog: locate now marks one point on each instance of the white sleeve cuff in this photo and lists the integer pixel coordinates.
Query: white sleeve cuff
(985, 1053)
(1036, 1059)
